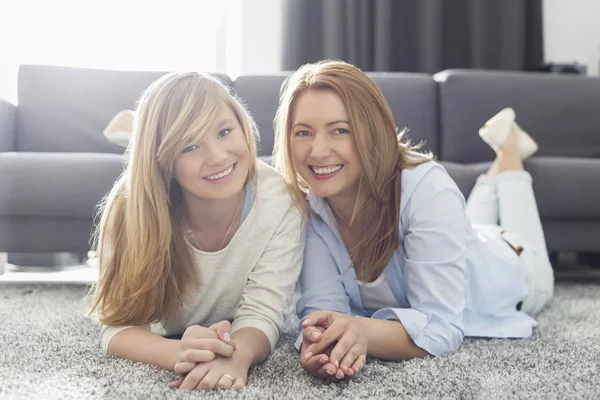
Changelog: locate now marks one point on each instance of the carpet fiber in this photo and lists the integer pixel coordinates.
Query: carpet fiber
(49, 350)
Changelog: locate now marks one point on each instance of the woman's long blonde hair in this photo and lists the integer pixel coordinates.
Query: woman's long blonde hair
(146, 266)
(382, 153)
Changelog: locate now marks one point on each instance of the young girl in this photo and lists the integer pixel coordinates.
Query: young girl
(196, 233)
(393, 267)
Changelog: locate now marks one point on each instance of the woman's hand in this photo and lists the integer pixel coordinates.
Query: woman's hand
(318, 364)
(199, 345)
(343, 334)
(220, 373)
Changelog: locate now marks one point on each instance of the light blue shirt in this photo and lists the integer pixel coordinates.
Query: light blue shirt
(451, 278)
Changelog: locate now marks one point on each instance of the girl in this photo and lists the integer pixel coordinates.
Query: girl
(393, 267)
(196, 233)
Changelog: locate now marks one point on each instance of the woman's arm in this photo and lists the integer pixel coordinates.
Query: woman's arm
(388, 340)
(435, 266)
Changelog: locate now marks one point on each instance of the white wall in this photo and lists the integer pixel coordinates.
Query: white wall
(572, 32)
(261, 36)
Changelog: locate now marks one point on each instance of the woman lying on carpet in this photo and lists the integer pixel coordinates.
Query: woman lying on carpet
(393, 267)
(197, 232)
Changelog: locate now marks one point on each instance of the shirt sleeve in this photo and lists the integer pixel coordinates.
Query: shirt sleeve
(434, 265)
(269, 291)
(321, 284)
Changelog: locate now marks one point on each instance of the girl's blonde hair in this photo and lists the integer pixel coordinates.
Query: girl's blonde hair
(146, 266)
(382, 154)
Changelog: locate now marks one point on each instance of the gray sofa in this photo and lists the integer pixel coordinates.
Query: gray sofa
(55, 164)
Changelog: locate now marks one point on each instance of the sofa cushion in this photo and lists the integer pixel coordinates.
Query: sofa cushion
(66, 185)
(564, 187)
(559, 111)
(412, 98)
(63, 109)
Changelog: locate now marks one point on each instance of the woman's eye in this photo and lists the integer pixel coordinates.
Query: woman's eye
(190, 148)
(302, 133)
(341, 131)
(223, 133)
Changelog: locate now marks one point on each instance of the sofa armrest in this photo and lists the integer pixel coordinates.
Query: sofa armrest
(8, 126)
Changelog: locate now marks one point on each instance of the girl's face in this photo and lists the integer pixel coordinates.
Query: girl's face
(216, 166)
(323, 151)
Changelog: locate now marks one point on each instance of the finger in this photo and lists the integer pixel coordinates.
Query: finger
(226, 382)
(316, 362)
(198, 332)
(316, 318)
(196, 356)
(182, 368)
(239, 384)
(209, 381)
(332, 334)
(311, 334)
(350, 357)
(359, 363)
(328, 371)
(176, 384)
(342, 348)
(223, 330)
(192, 379)
(215, 345)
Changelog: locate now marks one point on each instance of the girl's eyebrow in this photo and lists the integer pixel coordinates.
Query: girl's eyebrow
(224, 122)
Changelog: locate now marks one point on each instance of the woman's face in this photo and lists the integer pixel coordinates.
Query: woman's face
(323, 151)
(216, 166)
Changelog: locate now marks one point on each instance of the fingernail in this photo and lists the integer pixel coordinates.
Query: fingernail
(315, 335)
(330, 372)
(323, 360)
(338, 375)
(308, 355)
(227, 337)
(336, 363)
(350, 372)
(305, 321)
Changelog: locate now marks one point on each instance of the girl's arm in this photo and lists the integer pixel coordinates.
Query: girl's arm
(198, 344)
(140, 345)
(267, 296)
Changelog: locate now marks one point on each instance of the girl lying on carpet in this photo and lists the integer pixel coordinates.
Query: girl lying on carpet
(393, 267)
(196, 232)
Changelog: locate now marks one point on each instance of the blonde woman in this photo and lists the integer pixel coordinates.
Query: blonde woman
(393, 267)
(196, 233)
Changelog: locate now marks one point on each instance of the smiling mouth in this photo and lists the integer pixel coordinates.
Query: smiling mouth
(329, 169)
(221, 174)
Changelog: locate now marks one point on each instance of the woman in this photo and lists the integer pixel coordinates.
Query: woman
(196, 233)
(393, 266)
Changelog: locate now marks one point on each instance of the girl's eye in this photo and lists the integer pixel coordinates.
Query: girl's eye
(223, 133)
(302, 133)
(341, 131)
(190, 148)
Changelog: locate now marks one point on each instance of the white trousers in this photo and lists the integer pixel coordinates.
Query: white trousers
(507, 200)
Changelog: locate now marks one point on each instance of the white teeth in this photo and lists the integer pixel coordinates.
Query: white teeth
(220, 175)
(326, 170)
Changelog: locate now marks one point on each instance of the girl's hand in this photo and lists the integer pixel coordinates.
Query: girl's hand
(220, 373)
(199, 344)
(344, 333)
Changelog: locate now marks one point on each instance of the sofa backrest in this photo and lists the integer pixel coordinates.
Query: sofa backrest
(561, 112)
(64, 109)
(412, 98)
